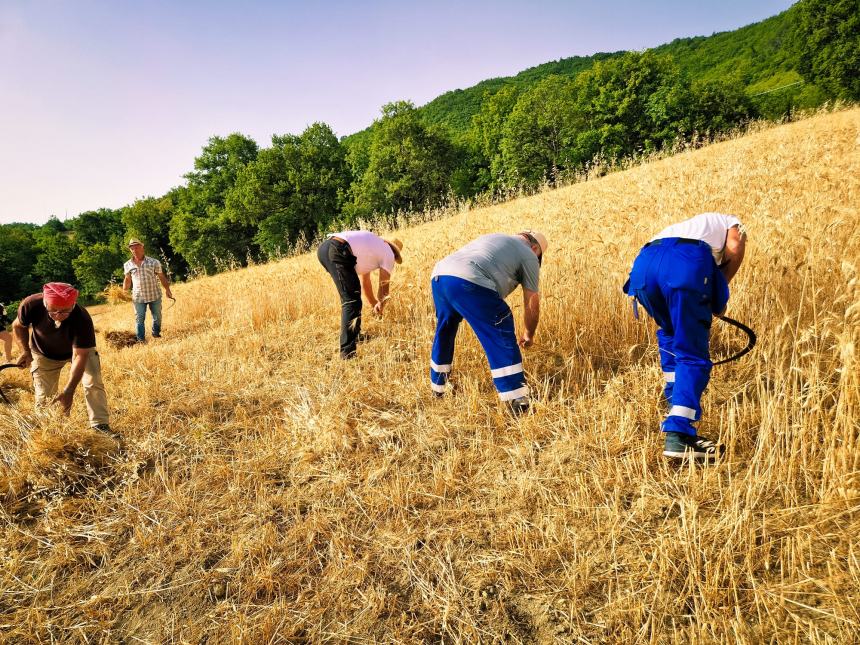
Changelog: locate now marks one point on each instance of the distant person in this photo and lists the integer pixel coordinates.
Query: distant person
(53, 330)
(143, 275)
(681, 278)
(350, 257)
(471, 284)
(5, 336)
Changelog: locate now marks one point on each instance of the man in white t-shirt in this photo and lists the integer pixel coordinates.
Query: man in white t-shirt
(350, 257)
(681, 278)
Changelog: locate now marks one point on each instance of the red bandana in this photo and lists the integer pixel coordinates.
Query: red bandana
(59, 295)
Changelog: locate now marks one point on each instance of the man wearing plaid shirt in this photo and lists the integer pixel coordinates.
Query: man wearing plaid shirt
(142, 275)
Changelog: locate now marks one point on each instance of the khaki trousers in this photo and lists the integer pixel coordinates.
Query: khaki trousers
(46, 376)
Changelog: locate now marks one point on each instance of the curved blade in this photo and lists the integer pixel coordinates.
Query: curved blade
(751, 339)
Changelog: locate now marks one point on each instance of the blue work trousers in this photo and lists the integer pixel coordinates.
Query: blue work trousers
(680, 286)
(140, 318)
(493, 323)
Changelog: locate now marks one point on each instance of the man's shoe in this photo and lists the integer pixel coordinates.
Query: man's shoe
(520, 406)
(682, 446)
(154, 335)
(104, 428)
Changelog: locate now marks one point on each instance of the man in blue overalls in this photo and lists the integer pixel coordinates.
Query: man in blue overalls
(472, 284)
(681, 278)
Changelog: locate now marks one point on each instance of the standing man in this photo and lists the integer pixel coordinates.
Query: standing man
(472, 284)
(53, 330)
(350, 257)
(681, 278)
(142, 275)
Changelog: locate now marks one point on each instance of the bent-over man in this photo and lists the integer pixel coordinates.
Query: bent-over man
(350, 257)
(143, 275)
(472, 284)
(681, 277)
(52, 330)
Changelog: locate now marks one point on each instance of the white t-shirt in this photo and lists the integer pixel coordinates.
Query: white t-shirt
(712, 228)
(371, 251)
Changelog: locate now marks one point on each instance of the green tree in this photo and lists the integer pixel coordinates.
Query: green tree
(409, 164)
(716, 106)
(487, 133)
(216, 168)
(92, 227)
(99, 264)
(826, 41)
(537, 137)
(199, 231)
(292, 189)
(628, 105)
(55, 250)
(17, 259)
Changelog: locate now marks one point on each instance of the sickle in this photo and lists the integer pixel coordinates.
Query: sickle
(3, 396)
(750, 342)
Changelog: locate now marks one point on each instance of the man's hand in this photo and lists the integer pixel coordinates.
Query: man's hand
(25, 360)
(733, 253)
(378, 307)
(531, 315)
(65, 399)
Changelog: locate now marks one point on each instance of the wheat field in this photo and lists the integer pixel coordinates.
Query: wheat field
(269, 492)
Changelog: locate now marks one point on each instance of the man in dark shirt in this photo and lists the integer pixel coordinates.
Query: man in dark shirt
(53, 330)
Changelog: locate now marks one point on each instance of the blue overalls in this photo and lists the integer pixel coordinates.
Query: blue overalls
(680, 286)
(493, 324)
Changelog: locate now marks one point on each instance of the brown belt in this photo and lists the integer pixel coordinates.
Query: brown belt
(340, 240)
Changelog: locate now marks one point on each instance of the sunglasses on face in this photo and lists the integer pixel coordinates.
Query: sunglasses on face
(57, 313)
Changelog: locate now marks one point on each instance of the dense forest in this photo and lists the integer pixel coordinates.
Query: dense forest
(242, 202)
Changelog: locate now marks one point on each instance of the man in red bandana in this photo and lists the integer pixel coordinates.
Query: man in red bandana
(52, 330)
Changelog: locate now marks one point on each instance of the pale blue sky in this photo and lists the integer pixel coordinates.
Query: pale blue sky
(102, 102)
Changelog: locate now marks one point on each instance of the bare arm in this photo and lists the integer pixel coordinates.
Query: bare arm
(126, 282)
(165, 283)
(79, 365)
(531, 316)
(22, 335)
(733, 253)
(367, 288)
(382, 290)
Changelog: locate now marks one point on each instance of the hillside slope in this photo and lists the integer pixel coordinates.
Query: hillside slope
(756, 55)
(272, 493)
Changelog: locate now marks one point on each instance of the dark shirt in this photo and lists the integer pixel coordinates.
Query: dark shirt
(75, 331)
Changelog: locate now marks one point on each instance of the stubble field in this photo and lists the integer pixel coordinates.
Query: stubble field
(270, 492)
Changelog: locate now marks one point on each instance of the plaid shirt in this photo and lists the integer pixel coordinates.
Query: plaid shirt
(145, 286)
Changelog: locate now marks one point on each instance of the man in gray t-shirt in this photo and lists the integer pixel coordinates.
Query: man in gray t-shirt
(496, 261)
(471, 284)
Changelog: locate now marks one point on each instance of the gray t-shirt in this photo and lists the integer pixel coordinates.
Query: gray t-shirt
(496, 261)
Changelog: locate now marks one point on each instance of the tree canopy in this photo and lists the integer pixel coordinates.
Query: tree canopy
(241, 202)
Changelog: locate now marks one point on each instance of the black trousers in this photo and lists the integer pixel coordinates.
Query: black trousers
(338, 260)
